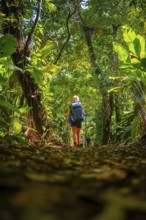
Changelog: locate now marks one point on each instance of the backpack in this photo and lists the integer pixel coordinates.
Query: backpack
(77, 111)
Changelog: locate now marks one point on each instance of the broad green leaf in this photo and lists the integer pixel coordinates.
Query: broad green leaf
(125, 66)
(143, 46)
(115, 89)
(9, 106)
(143, 64)
(129, 37)
(46, 49)
(137, 47)
(17, 127)
(8, 45)
(24, 109)
(2, 15)
(50, 6)
(137, 51)
(37, 74)
(119, 78)
(1, 68)
(135, 61)
(3, 81)
(50, 69)
(115, 77)
(122, 52)
(136, 43)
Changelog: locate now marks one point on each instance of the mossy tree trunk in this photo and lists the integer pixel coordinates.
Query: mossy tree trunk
(13, 24)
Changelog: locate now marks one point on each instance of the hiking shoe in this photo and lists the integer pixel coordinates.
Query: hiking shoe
(80, 145)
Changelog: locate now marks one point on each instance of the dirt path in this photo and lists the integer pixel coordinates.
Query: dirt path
(62, 183)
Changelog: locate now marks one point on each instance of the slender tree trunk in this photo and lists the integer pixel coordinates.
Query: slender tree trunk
(15, 9)
(108, 108)
(88, 32)
(116, 97)
(107, 99)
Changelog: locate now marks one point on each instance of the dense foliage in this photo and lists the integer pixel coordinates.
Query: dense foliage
(52, 50)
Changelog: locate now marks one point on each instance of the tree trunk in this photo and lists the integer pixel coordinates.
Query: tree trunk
(15, 9)
(88, 32)
(108, 107)
(116, 96)
(107, 100)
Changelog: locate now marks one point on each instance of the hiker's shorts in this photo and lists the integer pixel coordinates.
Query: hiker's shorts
(77, 123)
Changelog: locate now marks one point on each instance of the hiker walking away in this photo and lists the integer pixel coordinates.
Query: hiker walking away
(75, 116)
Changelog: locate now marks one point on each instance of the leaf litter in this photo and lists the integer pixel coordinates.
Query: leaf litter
(67, 183)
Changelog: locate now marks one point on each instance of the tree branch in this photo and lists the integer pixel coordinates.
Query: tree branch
(30, 36)
(68, 32)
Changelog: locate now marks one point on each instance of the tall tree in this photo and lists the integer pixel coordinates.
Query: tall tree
(14, 12)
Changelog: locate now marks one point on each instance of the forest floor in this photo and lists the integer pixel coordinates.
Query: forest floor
(69, 183)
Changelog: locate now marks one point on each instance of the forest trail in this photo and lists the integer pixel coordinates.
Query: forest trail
(68, 183)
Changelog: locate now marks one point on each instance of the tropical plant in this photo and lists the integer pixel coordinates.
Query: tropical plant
(132, 57)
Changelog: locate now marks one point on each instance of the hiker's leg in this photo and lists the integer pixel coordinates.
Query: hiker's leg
(74, 134)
